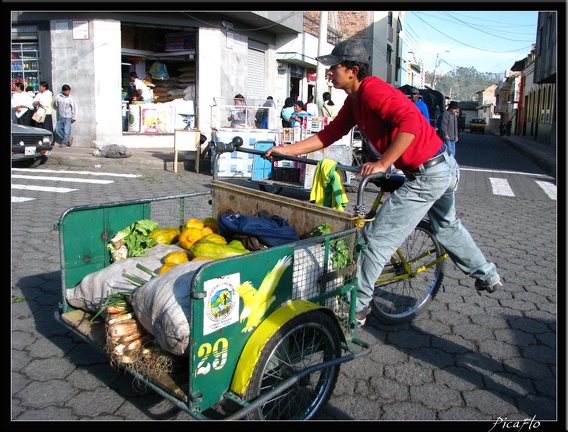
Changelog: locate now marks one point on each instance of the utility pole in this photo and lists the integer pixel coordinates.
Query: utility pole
(436, 67)
(321, 79)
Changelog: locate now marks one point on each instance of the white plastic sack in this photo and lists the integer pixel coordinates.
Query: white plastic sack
(93, 290)
(308, 270)
(162, 307)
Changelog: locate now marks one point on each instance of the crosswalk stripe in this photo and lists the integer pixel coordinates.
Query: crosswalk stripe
(548, 188)
(21, 199)
(66, 179)
(501, 187)
(93, 173)
(43, 188)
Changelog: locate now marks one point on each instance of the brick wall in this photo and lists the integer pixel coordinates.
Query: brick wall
(349, 24)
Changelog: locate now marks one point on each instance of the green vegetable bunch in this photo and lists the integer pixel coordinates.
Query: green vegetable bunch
(133, 240)
(339, 251)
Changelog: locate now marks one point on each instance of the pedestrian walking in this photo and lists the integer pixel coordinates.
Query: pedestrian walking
(397, 130)
(66, 110)
(449, 128)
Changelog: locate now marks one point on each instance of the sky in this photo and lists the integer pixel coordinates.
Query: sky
(487, 41)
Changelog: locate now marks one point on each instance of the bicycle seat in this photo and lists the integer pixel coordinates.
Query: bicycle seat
(389, 183)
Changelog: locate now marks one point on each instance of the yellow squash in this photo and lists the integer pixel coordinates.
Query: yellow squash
(193, 223)
(215, 251)
(165, 235)
(175, 258)
(189, 236)
(210, 222)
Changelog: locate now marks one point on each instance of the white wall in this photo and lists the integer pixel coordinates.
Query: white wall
(92, 68)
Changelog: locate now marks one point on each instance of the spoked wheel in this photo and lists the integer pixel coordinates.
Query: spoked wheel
(306, 340)
(411, 279)
(270, 188)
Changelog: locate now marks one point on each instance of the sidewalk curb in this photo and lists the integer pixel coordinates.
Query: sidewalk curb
(539, 160)
(154, 159)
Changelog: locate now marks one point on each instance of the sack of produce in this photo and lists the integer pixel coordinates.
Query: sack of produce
(162, 306)
(91, 293)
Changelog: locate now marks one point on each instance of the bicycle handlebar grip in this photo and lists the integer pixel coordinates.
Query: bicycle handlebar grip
(222, 147)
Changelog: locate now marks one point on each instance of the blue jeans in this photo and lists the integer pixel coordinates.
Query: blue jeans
(430, 191)
(451, 144)
(62, 130)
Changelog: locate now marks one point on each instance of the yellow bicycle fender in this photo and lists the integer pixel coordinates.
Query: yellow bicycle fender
(260, 337)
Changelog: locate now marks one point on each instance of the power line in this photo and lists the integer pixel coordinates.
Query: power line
(499, 30)
(471, 46)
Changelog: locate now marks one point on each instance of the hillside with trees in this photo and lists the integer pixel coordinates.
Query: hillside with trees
(462, 84)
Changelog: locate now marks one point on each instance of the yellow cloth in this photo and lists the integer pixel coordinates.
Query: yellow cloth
(327, 188)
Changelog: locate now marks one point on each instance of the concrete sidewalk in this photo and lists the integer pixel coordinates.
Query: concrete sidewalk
(163, 158)
(142, 158)
(542, 155)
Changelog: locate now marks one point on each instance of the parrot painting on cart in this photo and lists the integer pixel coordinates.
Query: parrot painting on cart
(258, 301)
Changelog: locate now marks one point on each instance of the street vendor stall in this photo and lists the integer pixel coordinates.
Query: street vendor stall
(249, 128)
(270, 176)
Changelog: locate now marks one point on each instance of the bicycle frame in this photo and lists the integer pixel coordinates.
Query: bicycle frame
(400, 294)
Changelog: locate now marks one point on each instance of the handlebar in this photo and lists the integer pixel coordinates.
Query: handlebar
(237, 142)
(387, 181)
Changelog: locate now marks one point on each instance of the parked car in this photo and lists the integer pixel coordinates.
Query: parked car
(31, 146)
(477, 125)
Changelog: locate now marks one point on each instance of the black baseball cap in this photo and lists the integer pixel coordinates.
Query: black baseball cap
(348, 50)
(415, 91)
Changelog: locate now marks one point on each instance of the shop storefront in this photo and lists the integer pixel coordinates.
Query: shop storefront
(165, 61)
(185, 59)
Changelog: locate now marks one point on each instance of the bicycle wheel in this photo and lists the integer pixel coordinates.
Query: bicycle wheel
(306, 340)
(411, 279)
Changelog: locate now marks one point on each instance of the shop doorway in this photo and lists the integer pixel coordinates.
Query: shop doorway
(294, 87)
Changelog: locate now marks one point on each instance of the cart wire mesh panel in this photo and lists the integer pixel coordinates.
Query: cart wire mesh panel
(324, 270)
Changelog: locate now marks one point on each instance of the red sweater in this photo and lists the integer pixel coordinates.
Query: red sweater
(381, 111)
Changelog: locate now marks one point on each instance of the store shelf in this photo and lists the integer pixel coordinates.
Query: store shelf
(25, 64)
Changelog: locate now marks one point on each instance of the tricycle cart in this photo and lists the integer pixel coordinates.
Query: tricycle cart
(280, 359)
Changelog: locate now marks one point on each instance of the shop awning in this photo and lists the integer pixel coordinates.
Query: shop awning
(138, 55)
(297, 59)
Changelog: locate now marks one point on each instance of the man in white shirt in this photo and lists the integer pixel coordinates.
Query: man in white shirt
(142, 89)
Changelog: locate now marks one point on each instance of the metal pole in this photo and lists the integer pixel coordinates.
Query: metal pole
(436, 67)
(321, 79)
